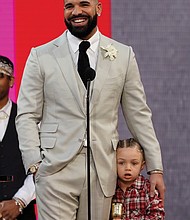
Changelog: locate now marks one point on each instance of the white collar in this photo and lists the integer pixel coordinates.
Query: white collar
(7, 108)
(74, 41)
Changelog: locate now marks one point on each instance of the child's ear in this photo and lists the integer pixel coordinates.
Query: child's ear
(143, 165)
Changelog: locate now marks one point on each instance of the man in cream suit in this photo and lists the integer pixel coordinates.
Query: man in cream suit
(51, 120)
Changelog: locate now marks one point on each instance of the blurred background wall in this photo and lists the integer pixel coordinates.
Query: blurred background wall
(159, 32)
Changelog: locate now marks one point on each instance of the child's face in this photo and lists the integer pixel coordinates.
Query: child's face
(129, 164)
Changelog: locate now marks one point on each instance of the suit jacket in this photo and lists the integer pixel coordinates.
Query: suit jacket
(53, 95)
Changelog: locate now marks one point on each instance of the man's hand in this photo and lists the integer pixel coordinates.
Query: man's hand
(157, 181)
(9, 210)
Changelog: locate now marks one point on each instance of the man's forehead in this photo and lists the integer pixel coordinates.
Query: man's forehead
(77, 1)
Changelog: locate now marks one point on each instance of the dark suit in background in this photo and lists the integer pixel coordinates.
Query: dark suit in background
(11, 165)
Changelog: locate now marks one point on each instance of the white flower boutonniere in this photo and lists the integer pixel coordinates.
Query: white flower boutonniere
(111, 52)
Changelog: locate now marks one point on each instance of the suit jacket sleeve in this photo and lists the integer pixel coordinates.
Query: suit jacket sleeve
(30, 104)
(138, 115)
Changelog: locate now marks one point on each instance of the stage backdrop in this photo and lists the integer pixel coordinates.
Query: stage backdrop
(159, 32)
(7, 36)
(25, 24)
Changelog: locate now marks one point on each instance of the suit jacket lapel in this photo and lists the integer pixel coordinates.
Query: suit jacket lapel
(67, 66)
(64, 59)
(102, 71)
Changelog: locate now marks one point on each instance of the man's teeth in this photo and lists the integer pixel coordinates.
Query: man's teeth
(78, 20)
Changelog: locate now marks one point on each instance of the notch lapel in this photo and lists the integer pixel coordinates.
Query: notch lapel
(102, 71)
(68, 69)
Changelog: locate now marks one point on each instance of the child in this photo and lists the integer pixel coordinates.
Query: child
(132, 199)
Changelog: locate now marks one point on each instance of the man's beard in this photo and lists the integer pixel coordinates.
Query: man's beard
(82, 32)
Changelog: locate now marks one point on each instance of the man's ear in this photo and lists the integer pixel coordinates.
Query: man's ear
(99, 8)
(11, 82)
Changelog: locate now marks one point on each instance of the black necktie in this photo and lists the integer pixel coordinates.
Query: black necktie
(83, 61)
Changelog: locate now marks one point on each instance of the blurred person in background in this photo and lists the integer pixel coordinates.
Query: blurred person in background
(17, 191)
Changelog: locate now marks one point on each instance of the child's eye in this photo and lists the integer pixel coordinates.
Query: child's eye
(121, 163)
